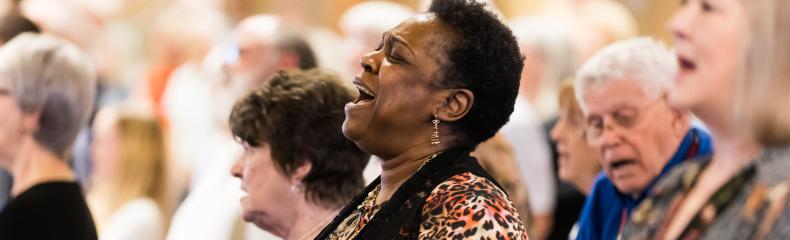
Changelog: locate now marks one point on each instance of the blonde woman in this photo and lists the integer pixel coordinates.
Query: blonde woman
(128, 193)
(733, 56)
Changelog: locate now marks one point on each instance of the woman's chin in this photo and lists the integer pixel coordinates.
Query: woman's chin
(681, 98)
(350, 130)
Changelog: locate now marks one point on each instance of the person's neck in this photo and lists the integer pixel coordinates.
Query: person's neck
(732, 149)
(310, 220)
(35, 165)
(531, 95)
(585, 183)
(396, 170)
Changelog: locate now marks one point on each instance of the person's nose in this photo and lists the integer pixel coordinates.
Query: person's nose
(371, 62)
(610, 135)
(237, 168)
(557, 129)
(679, 24)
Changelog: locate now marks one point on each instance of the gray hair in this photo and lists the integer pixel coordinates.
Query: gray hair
(645, 60)
(551, 41)
(53, 78)
(373, 16)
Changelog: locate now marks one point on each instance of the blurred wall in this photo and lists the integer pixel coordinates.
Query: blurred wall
(651, 15)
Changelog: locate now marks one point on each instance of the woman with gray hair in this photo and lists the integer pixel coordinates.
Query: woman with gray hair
(46, 94)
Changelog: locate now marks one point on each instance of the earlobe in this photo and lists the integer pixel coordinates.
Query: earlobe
(457, 105)
(30, 122)
(301, 172)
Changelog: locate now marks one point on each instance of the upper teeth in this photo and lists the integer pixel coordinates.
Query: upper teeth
(364, 89)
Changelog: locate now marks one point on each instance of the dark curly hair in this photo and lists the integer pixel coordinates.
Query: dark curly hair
(300, 114)
(483, 57)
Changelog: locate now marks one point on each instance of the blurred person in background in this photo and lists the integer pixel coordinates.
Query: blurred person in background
(180, 102)
(638, 136)
(12, 23)
(128, 195)
(496, 156)
(440, 83)
(46, 95)
(174, 44)
(261, 46)
(734, 76)
(594, 24)
(297, 168)
(578, 163)
(362, 25)
(548, 60)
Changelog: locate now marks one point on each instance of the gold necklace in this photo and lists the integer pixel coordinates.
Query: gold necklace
(370, 200)
(370, 203)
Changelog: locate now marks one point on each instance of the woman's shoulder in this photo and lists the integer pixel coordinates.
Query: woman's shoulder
(469, 205)
(140, 209)
(60, 197)
(137, 219)
(649, 215)
(58, 207)
(773, 165)
(681, 178)
(763, 207)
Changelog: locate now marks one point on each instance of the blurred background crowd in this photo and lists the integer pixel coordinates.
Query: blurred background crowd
(158, 150)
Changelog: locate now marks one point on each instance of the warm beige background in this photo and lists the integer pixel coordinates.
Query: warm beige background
(651, 15)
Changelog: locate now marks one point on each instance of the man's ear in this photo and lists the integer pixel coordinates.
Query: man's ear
(456, 105)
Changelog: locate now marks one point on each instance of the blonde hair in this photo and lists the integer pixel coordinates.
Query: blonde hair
(141, 170)
(569, 105)
(142, 158)
(763, 94)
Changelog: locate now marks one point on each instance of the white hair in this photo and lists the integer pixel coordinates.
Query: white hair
(644, 60)
(374, 16)
(53, 78)
(551, 40)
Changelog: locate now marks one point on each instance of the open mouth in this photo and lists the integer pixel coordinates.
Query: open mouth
(614, 165)
(687, 65)
(365, 94)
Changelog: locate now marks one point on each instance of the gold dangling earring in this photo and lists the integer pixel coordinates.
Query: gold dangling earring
(435, 134)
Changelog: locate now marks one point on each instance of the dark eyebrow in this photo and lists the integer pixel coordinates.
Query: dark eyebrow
(397, 39)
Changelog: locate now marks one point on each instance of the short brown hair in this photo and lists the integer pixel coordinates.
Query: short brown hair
(300, 115)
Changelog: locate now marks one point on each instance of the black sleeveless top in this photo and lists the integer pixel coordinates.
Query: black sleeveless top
(51, 210)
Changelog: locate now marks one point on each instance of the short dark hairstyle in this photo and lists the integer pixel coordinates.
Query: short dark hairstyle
(295, 44)
(300, 115)
(484, 58)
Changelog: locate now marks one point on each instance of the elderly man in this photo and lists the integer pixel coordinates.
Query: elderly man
(638, 136)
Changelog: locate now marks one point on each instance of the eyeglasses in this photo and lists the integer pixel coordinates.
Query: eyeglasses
(625, 117)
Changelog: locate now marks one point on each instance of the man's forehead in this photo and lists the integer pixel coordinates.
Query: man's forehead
(614, 95)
